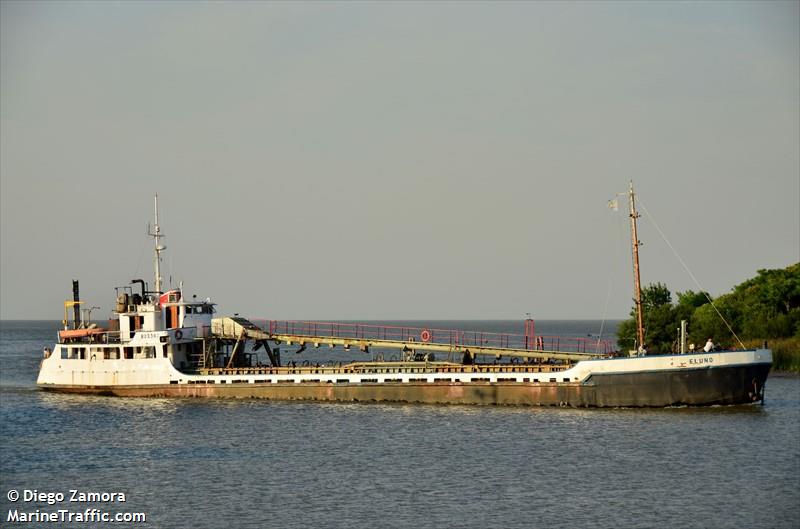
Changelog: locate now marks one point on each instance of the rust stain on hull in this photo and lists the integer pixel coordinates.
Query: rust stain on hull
(504, 394)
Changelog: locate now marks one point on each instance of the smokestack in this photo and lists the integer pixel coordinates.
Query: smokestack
(76, 308)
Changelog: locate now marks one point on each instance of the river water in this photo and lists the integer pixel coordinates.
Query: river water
(227, 463)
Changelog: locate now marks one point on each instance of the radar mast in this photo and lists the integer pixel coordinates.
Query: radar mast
(155, 233)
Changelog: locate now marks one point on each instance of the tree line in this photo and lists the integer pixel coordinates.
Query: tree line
(764, 307)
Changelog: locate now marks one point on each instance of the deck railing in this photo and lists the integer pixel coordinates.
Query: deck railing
(452, 337)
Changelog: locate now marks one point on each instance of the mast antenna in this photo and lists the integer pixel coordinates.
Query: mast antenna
(637, 284)
(155, 232)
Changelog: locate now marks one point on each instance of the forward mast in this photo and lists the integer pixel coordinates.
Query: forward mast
(637, 283)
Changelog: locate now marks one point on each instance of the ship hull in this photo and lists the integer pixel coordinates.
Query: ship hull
(729, 385)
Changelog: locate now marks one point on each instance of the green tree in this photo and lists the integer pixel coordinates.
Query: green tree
(771, 303)
(705, 323)
(690, 300)
(766, 306)
(656, 295)
(658, 321)
(626, 334)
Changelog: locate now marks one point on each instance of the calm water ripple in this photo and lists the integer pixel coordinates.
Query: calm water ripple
(247, 463)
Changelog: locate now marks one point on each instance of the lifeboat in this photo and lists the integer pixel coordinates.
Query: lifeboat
(72, 334)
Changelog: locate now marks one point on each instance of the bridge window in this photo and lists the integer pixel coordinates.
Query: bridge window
(199, 309)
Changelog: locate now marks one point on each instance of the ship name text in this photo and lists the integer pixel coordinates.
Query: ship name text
(702, 360)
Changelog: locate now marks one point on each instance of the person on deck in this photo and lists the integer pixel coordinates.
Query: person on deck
(709, 346)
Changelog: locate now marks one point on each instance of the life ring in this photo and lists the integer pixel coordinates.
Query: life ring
(425, 335)
(178, 334)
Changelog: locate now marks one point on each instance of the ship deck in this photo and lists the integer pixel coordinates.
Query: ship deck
(387, 368)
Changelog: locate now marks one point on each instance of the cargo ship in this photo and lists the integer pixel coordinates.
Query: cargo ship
(160, 344)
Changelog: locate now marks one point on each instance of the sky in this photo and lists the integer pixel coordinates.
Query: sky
(410, 160)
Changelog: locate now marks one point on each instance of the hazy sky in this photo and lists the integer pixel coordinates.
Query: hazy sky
(395, 160)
